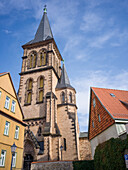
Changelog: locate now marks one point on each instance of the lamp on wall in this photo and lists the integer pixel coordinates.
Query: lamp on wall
(13, 149)
(61, 147)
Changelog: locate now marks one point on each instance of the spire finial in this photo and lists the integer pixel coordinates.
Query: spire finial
(45, 8)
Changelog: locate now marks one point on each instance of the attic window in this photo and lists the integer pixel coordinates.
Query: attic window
(94, 102)
(112, 95)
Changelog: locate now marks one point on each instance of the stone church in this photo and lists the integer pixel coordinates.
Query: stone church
(48, 101)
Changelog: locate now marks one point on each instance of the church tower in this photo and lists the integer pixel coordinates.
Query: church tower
(47, 100)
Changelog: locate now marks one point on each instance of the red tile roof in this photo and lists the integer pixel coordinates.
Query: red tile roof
(117, 106)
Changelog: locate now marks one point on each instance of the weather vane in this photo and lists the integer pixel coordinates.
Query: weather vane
(45, 8)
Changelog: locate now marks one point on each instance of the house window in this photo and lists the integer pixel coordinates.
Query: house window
(62, 97)
(13, 106)
(40, 89)
(70, 97)
(99, 118)
(93, 124)
(94, 102)
(29, 91)
(64, 144)
(17, 132)
(7, 101)
(14, 159)
(6, 129)
(3, 156)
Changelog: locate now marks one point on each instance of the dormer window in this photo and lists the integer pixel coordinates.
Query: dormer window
(112, 95)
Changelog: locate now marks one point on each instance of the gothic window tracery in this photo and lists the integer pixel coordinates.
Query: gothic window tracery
(29, 91)
(42, 58)
(32, 60)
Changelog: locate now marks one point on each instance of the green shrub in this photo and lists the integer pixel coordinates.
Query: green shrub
(110, 155)
(83, 165)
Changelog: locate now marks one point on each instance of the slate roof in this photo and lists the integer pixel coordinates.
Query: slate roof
(44, 31)
(64, 80)
(83, 135)
(116, 105)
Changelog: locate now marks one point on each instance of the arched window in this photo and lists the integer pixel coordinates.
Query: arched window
(32, 59)
(70, 97)
(40, 89)
(29, 91)
(62, 97)
(42, 58)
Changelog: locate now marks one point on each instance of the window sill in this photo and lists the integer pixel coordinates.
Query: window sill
(6, 108)
(13, 112)
(27, 104)
(16, 138)
(39, 102)
(6, 135)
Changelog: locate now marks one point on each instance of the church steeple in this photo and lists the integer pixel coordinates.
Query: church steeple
(64, 80)
(44, 31)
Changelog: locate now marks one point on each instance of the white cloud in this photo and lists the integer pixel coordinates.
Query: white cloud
(7, 31)
(95, 79)
(92, 22)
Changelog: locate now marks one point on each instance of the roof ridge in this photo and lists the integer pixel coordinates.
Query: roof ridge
(108, 89)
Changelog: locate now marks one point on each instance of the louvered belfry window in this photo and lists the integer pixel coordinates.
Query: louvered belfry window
(42, 58)
(32, 59)
(62, 97)
(29, 91)
(40, 89)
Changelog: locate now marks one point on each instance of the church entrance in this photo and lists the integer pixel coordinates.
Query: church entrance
(28, 159)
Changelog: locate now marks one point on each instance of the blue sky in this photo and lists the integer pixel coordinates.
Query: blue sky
(92, 36)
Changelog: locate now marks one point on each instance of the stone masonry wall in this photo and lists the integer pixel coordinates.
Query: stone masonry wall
(85, 149)
(61, 165)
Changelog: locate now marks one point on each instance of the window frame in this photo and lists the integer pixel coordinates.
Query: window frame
(94, 102)
(17, 132)
(6, 128)
(14, 156)
(0, 93)
(3, 165)
(99, 118)
(93, 124)
(7, 103)
(62, 97)
(13, 106)
(70, 97)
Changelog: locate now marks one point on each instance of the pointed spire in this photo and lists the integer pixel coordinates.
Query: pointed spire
(64, 80)
(44, 31)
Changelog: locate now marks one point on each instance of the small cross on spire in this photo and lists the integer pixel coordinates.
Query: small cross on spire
(45, 8)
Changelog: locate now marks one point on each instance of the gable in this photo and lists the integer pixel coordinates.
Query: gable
(7, 89)
(105, 119)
